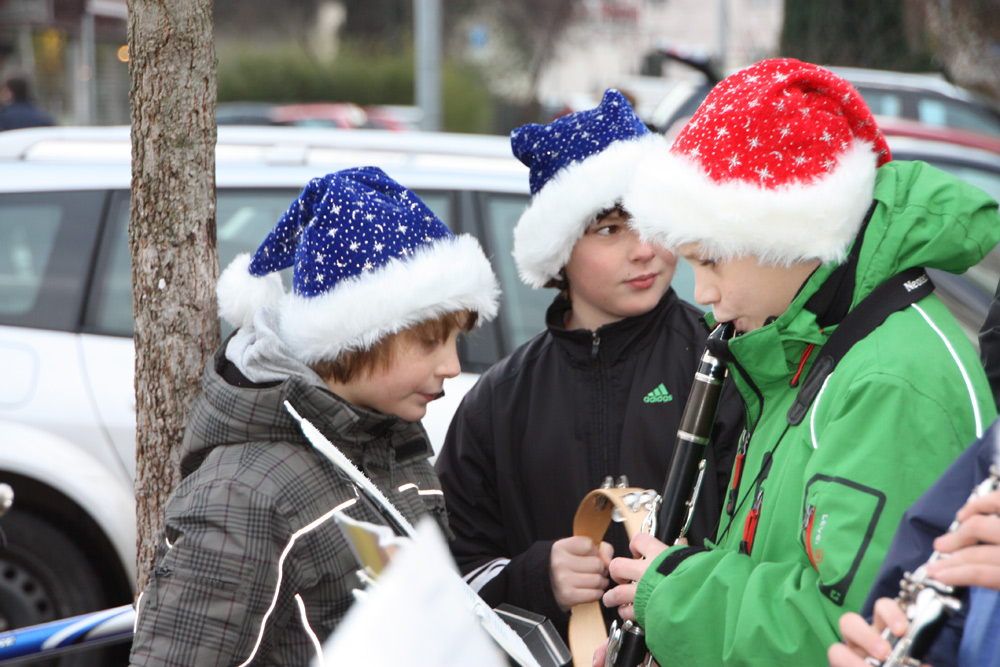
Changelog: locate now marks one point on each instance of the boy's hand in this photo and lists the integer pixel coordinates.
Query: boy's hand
(600, 655)
(578, 570)
(974, 549)
(627, 571)
(863, 640)
(973, 560)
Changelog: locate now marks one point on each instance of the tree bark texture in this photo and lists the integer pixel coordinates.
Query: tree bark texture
(968, 35)
(856, 33)
(171, 238)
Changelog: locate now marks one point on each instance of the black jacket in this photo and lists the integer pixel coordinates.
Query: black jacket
(544, 426)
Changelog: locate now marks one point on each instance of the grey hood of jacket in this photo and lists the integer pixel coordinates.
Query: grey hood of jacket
(258, 352)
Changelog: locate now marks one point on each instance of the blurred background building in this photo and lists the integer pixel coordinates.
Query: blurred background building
(351, 63)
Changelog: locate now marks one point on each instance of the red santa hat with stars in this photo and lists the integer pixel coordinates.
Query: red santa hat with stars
(779, 162)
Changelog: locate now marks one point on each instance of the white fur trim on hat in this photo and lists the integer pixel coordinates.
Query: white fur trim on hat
(560, 212)
(241, 294)
(443, 277)
(672, 203)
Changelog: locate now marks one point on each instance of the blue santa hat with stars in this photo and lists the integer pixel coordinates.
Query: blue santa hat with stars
(370, 259)
(579, 165)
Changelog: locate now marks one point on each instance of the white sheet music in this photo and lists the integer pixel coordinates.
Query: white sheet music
(418, 614)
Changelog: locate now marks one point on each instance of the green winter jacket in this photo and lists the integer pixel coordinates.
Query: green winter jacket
(898, 408)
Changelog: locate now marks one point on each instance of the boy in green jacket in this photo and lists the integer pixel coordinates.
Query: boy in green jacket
(782, 194)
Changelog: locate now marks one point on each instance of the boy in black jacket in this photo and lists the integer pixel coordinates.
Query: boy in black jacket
(599, 393)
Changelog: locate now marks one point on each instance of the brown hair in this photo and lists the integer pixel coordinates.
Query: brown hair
(382, 354)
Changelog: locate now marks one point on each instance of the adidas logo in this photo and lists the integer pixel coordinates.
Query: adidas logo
(658, 395)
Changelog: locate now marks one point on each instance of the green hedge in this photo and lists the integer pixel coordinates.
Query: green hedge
(286, 73)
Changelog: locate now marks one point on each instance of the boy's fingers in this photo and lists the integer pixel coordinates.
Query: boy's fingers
(840, 655)
(971, 566)
(619, 595)
(976, 528)
(644, 545)
(888, 614)
(861, 638)
(600, 654)
(624, 570)
(606, 552)
(627, 612)
(578, 545)
(988, 504)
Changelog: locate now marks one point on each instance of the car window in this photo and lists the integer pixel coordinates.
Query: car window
(440, 203)
(683, 283)
(943, 113)
(882, 102)
(244, 217)
(46, 242)
(27, 237)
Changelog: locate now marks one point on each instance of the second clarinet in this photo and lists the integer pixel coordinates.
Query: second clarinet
(926, 601)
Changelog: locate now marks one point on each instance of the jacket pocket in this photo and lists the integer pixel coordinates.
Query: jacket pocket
(838, 522)
(194, 607)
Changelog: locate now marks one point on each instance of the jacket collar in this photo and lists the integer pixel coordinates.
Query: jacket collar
(615, 341)
(772, 353)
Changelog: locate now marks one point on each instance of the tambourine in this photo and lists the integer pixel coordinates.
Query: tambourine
(632, 506)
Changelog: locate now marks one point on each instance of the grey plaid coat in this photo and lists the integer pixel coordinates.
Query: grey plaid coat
(252, 568)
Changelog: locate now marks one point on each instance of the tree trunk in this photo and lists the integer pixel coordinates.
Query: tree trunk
(857, 33)
(968, 32)
(171, 238)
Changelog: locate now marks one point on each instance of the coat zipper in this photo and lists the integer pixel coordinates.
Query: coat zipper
(744, 445)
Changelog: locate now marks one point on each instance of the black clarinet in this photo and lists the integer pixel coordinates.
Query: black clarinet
(687, 466)
(627, 642)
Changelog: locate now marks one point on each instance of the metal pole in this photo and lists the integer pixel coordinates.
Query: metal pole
(723, 32)
(427, 43)
(84, 74)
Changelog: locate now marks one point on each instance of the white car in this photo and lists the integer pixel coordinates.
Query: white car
(67, 406)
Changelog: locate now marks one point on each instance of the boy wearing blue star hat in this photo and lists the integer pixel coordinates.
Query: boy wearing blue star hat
(252, 567)
(599, 393)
